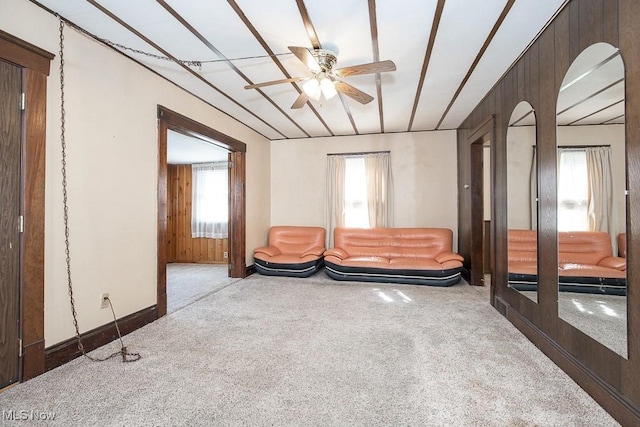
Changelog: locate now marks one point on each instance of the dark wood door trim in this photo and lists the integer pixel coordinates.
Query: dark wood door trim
(24, 54)
(35, 64)
(168, 119)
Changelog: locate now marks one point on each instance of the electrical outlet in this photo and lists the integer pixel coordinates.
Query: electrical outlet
(104, 301)
(226, 255)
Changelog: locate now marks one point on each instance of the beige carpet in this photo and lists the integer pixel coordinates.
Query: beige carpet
(315, 352)
(188, 282)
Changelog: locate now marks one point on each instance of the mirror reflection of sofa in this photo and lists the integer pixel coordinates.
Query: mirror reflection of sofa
(586, 262)
(622, 245)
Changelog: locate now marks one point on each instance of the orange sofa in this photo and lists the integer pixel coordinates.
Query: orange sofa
(586, 263)
(420, 256)
(293, 251)
(622, 245)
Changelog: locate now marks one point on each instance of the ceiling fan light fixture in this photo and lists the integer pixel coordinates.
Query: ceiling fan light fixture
(324, 80)
(312, 88)
(328, 88)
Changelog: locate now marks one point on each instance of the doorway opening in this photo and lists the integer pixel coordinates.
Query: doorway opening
(482, 179)
(212, 257)
(197, 219)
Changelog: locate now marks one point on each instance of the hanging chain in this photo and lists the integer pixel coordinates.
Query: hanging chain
(126, 356)
(186, 62)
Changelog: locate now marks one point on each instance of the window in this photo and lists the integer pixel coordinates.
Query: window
(573, 192)
(359, 192)
(356, 209)
(210, 200)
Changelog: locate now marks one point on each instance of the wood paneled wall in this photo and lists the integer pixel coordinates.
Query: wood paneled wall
(181, 247)
(611, 379)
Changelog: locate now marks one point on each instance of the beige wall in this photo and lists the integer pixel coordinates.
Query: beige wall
(423, 167)
(112, 162)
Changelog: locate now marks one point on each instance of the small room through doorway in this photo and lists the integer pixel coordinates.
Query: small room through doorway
(197, 244)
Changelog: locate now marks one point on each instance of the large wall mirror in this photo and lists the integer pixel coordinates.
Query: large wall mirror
(592, 192)
(522, 197)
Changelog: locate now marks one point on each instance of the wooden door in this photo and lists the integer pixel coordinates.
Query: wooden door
(10, 179)
(477, 215)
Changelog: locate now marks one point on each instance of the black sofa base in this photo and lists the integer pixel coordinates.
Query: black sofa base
(385, 275)
(303, 269)
(586, 285)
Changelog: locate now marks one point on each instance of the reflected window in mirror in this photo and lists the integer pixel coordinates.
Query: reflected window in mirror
(522, 206)
(591, 197)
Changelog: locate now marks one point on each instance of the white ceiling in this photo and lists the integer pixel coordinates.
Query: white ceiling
(448, 54)
(186, 150)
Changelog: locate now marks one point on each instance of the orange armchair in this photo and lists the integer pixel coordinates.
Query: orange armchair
(294, 251)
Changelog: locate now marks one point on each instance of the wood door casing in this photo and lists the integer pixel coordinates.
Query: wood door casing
(35, 63)
(10, 182)
(168, 119)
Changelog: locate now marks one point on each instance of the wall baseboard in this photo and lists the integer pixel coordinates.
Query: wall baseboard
(466, 274)
(251, 269)
(67, 350)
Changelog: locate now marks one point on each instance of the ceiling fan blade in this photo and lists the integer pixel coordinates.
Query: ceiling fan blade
(372, 67)
(302, 99)
(352, 92)
(305, 56)
(274, 82)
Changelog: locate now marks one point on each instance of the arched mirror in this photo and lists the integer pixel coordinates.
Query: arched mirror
(592, 197)
(522, 196)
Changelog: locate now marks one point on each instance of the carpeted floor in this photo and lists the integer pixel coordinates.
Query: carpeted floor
(188, 282)
(315, 352)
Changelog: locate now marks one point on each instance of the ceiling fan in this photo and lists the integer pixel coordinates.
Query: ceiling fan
(324, 79)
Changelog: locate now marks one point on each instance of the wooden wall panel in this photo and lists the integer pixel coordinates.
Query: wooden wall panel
(611, 379)
(181, 247)
(630, 46)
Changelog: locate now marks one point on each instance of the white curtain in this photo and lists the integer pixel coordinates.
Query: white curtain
(210, 200)
(379, 189)
(334, 201)
(600, 190)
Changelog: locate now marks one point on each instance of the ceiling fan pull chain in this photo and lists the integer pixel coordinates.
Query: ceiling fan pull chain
(126, 356)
